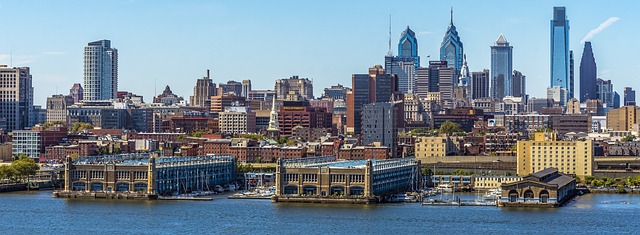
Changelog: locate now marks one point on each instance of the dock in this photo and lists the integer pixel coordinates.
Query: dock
(458, 203)
(186, 198)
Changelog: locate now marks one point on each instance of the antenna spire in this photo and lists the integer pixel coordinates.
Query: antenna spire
(451, 15)
(390, 53)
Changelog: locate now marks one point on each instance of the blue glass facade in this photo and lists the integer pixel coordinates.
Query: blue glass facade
(451, 49)
(405, 64)
(501, 68)
(408, 46)
(560, 50)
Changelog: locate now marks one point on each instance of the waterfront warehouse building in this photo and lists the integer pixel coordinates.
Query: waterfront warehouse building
(545, 188)
(324, 180)
(569, 157)
(144, 176)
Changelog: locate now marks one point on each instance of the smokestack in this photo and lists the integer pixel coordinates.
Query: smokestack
(207, 74)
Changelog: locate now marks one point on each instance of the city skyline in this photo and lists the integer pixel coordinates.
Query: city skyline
(157, 49)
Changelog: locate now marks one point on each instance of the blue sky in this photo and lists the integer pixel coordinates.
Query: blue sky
(174, 42)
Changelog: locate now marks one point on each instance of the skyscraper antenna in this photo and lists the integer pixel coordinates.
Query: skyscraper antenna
(451, 14)
(390, 53)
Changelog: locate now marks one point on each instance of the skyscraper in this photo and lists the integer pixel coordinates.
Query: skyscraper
(588, 74)
(405, 64)
(100, 71)
(501, 67)
(376, 86)
(480, 84)
(16, 101)
(629, 96)
(295, 85)
(560, 51)
(604, 89)
(438, 77)
(246, 88)
(518, 84)
(76, 92)
(451, 49)
(202, 92)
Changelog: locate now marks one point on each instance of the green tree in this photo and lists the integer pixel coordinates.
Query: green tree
(7, 172)
(629, 137)
(427, 171)
(589, 179)
(197, 134)
(283, 140)
(80, 126)
(449, 127)
(25, 167)
(461, 172)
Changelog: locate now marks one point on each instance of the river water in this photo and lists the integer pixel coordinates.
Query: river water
(39, 213)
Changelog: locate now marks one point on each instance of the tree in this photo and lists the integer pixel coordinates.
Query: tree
(461, 172)
(449, 127)
(6, 172)
(629, 137)
(427, 171)
(283, 140)
(25, 167)
(80, 126)
(197, 134)
(589, 179)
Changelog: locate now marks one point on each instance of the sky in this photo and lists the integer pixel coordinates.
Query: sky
(174, 42)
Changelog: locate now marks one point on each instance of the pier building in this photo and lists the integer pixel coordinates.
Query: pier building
(545, 188)
(324, 180)
(144, 176)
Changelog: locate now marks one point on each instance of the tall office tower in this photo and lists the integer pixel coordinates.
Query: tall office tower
(246, 88)
(558, 94)
(100, 71)
(57, 107)
(231, 87)
(560, 50)
(604, 91)
(571, 80)
(451, 49)
(501, 67)
(76, 92)
(616, 100)
(588, 74)
(294, 85)
(438, 77)
(405, 64)
(202, 92)
(480, 84)
(376, 86)
(518, 84)
(629, 96)
(16, 98)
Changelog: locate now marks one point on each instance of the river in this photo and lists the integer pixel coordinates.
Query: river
(38, 213)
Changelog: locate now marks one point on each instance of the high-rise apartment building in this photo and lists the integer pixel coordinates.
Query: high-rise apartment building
(100, 71)
(381, 123)
(560, 63)
(202, 92)
(376, 86)
(480, 84)
(76, 92)
(451, 48)
(405, 64)
(336, 92)
(294, 85)
(629, 96)
(16, 98)
(231, 87)
(623, 118)
(588, 74)
(501, 67)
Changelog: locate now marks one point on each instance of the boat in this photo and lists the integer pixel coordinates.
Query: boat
(445, 188)
(492, 194)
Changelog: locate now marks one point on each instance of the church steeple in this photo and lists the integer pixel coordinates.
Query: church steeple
(273, 128)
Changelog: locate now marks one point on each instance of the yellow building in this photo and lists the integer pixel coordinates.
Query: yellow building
(623, 118)
(436, 146)
(493, 182)
(545, 151)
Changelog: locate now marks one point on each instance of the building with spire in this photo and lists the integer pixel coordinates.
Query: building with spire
(405, 64)
(560, 58)
(501, 68)
(202, 92)
(76, 92)
(451, 49)
(588, 74)
(462, 93)
(273, 131)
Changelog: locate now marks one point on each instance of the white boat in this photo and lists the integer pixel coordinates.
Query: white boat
(492, 194)
(445, 188)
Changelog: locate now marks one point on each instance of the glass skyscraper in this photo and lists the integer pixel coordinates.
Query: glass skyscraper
(451, 49)
(100, 71)
(501, 67)
(405, 64)
(560, 50)
(588, 74)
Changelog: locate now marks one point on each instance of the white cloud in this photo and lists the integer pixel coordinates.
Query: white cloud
(599, 29)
